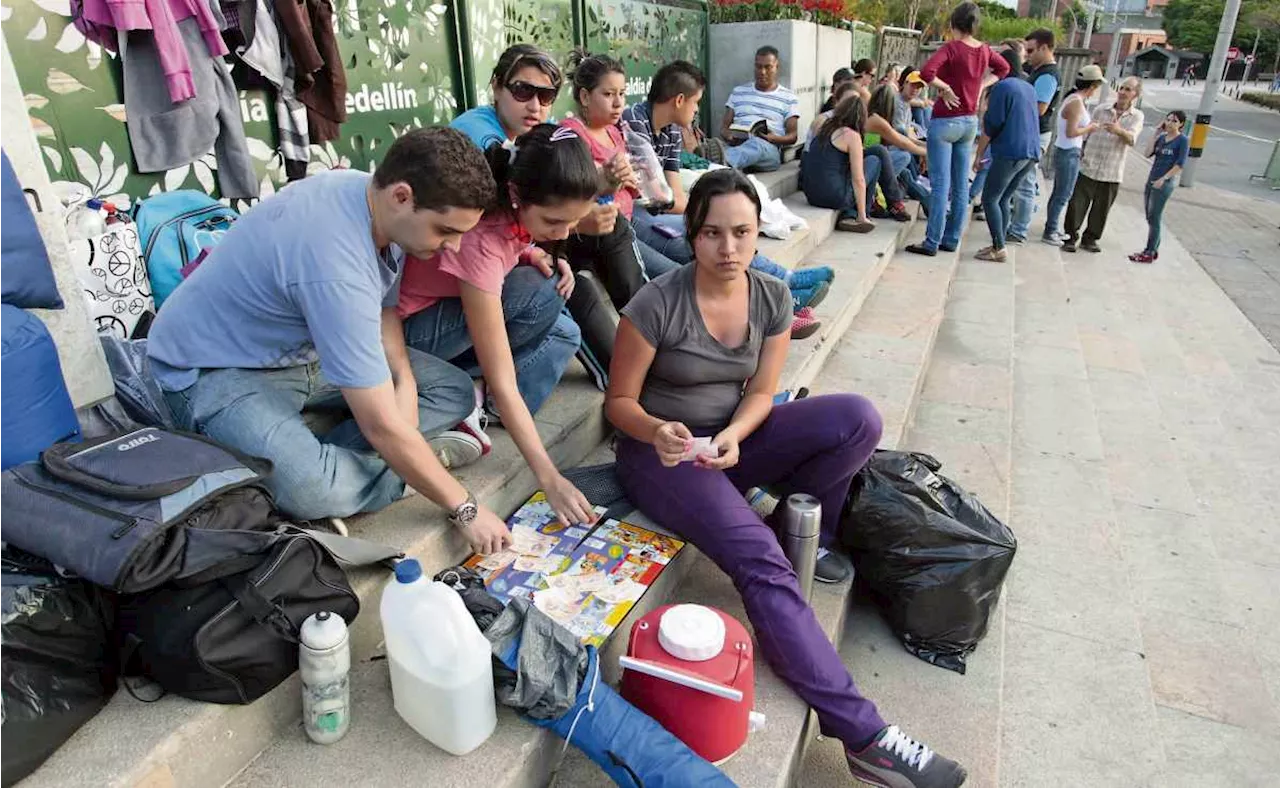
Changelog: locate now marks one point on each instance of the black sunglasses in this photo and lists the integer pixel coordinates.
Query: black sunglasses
(523, 91)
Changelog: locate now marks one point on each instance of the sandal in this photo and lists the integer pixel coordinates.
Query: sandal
(992, 255)
(855, 226)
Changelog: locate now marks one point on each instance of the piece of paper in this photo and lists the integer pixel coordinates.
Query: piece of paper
(538, 564)
(557, 604)
(698, 448)
(625, 590)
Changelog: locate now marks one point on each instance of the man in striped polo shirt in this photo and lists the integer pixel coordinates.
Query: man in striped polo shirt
(760, 118)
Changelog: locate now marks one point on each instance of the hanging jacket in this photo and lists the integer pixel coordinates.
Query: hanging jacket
(320, 80)
(100, 20)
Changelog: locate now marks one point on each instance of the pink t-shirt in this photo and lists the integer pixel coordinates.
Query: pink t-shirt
(601, 154)
(487, 254)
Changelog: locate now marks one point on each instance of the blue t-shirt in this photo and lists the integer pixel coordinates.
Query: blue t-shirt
(1169, 153)
(481, 125)
(1046, 88)
(1013, 120)
(295, 280)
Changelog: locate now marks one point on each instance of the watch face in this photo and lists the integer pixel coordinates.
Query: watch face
(466, 513)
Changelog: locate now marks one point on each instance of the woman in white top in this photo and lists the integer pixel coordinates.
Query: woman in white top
(1074, 126)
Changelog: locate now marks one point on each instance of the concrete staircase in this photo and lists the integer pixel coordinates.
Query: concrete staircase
(880, 321)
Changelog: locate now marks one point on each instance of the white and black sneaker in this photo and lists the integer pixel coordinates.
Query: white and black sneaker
(832, 567)
(463, 444)
(895, 760)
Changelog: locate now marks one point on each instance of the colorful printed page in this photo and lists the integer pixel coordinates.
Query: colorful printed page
(586, 577)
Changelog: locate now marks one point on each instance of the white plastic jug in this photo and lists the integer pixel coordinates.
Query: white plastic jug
(441, 673)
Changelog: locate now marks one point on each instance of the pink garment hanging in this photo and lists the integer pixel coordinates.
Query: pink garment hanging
(100, 19)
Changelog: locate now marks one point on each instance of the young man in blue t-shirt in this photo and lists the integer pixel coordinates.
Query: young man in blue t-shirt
(1010, 131)
(1045, 78)
(294, 309)
(764, 105)
(1169, 149)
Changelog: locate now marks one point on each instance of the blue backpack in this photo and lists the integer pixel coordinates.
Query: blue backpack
(174, 228)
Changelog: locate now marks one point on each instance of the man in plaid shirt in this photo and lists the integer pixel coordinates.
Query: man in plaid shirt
(1102, 167)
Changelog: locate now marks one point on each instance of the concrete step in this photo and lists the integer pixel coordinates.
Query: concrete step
(964, 418)
(520, 754)
(782, 182)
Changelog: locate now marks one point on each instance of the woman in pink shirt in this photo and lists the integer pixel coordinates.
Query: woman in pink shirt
(600, 91)
(958, 71)
(494, 305)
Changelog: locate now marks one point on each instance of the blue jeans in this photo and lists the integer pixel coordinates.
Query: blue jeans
(1024, 199)
(655, 263)
(542, 338)
(259, 412)
(1066, 168)
(1003, 178)
(1155, 199)
(950, 147)
(979, 180)
(676, 249)
(909, 179)
(756, 154)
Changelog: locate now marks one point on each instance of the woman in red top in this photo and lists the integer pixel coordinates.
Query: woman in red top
(493, 303)
(958, 71)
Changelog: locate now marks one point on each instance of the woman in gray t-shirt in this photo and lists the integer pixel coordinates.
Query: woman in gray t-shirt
(698, 354)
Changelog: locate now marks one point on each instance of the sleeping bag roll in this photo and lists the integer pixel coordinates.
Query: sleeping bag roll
(35, 408)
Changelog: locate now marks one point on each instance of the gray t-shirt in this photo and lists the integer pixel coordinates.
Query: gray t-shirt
(295, 280)
(694, 379)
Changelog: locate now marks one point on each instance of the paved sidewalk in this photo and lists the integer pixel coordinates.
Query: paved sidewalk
(1127, 419)
(1233, 237)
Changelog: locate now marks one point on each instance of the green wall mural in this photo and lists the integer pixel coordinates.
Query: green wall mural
(405, 67)
(403, 50)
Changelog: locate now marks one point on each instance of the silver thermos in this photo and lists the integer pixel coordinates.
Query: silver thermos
(801, 526)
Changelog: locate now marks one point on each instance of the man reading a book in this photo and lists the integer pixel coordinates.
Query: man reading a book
(760, 118)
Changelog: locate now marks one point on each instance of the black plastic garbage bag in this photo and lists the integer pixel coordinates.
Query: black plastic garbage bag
(58, 669)
(932, 555)
(629, 745)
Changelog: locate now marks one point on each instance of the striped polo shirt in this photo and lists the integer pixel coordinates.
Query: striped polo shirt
(750, 105)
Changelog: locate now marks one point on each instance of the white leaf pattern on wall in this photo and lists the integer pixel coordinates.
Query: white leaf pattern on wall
(173, 179)
(35, 101)
(55, 157)
(5, 13)
(70, 40)
(39, 32)
(88, 168)
(116, 111)
(59, 7)
(205, 176)
(62, 83)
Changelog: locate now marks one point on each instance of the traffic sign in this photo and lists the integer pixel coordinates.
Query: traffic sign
(1233, 53)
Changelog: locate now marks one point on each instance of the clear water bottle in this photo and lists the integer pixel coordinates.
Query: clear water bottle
(324, 660)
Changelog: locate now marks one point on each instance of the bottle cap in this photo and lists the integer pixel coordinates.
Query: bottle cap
(323, 631)
(93, 203)
(693, 633)
(408, 570)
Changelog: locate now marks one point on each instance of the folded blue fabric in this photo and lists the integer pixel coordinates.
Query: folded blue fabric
(27, 277)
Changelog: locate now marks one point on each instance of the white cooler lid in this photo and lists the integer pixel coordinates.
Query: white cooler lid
(694, 633)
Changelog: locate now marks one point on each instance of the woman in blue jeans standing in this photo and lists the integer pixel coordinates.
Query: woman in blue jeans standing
(699, 353)
(1170, 148)
(1074, 127)
(958, 71)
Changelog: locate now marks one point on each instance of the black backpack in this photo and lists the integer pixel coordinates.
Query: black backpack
(132, 511)
(233, 639)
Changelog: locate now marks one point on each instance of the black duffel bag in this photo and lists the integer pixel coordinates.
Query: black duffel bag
(233, 639)
(132, 511)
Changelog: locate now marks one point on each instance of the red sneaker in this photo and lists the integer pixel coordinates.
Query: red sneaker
(1143, 257)
(804, 324)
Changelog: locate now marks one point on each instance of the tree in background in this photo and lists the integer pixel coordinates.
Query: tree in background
(1193, 25)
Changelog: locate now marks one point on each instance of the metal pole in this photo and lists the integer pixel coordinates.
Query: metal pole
(1088, 26)
(1204, 115)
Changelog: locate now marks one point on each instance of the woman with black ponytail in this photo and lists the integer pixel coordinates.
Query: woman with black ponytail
(493, 304)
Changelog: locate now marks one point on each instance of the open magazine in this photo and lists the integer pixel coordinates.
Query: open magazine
(585, 577)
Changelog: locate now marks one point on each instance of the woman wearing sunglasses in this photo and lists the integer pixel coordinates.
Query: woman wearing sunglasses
(493, 303)
(525, 84)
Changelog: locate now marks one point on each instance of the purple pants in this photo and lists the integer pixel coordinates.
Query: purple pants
(813, 446)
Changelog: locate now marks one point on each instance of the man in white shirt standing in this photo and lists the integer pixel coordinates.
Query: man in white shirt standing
(760, 118)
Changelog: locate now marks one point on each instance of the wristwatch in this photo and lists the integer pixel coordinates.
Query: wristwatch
(465, 513)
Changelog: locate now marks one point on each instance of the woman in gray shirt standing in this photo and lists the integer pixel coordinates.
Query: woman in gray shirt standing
(699, 353)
